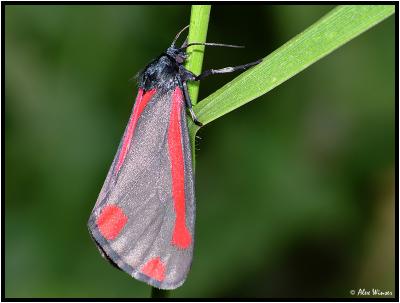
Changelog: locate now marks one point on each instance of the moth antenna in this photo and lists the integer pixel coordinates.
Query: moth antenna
(178, 34)
(185, 43)
(212, 44)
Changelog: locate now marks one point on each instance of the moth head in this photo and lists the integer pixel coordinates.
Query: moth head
(177, 54)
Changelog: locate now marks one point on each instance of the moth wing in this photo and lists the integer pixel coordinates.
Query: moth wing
(143, 220)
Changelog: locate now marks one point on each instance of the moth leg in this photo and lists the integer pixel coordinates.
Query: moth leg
(225, 70)
(188, 102)
(185, 75)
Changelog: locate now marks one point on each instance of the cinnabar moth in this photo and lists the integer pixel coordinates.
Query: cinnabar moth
(143, 220)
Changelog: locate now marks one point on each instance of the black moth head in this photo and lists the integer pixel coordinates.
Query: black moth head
(177, 54)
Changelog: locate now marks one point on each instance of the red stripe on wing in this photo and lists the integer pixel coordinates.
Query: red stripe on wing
(140, 104)
(181, 236)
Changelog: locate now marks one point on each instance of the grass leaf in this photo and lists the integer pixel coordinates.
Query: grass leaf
(336, 28)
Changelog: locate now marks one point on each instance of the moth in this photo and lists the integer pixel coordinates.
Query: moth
(144, 219)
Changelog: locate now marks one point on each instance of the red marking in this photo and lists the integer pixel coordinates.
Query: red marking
(181, 236)
(154, 268)
(111, 221)
(140, 104)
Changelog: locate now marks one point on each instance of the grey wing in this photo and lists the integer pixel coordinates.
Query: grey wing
(143, 221)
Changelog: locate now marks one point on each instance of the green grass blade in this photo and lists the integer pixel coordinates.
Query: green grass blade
(330, 32)
(199, 17)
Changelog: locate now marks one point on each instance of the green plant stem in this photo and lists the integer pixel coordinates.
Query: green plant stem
(199, 18)
(327, 34)
(159, 293)
(336, 28)
(200, 15)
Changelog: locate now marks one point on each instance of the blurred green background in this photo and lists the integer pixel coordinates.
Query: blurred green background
(295, 191)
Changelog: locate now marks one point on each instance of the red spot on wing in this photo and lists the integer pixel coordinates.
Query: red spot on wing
(181, 236)
(154, 268)
(111, 221)
(140, 104)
